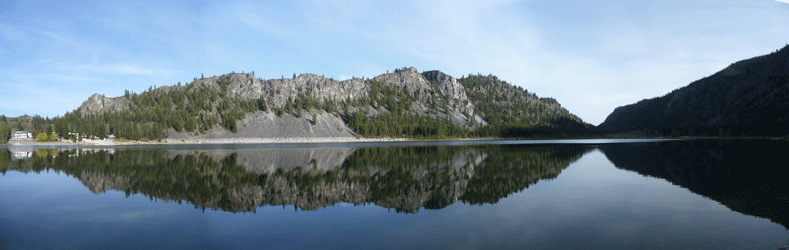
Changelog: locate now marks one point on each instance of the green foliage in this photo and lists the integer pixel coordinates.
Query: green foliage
(328, 105)
(5, 131)
(191, 108)
(314, 119)
(298, 105)
(196, 108)
(289, 105)
(262, 103)
(512, 111)
(404, 125)
(42, 137)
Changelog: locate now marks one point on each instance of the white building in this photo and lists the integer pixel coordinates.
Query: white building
(22, 135)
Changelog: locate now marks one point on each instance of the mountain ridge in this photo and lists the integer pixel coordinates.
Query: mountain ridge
(404, 103)
(748, 97)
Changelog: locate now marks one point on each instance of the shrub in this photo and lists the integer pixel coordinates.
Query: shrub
(42, 137)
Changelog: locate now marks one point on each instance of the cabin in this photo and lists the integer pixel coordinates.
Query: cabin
(22, 135)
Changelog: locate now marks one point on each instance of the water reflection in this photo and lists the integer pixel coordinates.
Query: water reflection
(239, 180)
(745, 176)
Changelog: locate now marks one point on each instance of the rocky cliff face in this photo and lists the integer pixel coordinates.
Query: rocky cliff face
(276, 91)
(750, 96)
(405, 92)
(98, 104)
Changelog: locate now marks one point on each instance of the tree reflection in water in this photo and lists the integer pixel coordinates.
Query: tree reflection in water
(746, 176)
(240, 180)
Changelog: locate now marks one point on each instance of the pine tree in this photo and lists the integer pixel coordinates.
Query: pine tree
(289, 105)
(298, 105)
(262, 103)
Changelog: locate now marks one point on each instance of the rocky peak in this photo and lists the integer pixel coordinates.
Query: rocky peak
(277, 91)
(408, 80)
(449, 87)
(99, 104)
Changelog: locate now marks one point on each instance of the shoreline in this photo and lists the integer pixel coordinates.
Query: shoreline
(302, 140)
(98, 143)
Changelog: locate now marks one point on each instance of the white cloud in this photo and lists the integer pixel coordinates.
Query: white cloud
(783, 1)
(120, 69)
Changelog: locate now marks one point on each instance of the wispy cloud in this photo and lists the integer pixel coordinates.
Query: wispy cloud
(120, 69)
(263, 25)
(591, 56)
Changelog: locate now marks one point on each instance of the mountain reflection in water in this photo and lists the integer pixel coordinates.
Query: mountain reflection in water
(241, 180)
(746, 176)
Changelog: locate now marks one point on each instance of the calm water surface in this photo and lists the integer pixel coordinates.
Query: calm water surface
(584, 194)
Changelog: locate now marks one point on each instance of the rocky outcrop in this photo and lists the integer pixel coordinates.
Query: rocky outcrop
(277, 91)
(261, 126)
(207, 103)
(98, 104)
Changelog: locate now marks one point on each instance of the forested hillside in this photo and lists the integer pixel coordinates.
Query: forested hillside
(404, 103)
(513, 111)
(750, 97)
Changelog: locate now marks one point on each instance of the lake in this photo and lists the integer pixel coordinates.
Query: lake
(565, 194)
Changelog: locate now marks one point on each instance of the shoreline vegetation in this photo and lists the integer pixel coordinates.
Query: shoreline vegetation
(241, 141)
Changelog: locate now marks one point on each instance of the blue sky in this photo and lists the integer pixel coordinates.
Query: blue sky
(592, 56)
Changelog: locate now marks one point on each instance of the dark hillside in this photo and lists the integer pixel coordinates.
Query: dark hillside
(749, 97)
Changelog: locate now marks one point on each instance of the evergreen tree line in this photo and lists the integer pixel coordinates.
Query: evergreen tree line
(5, 130)
(149, 114)
(514, 112)
(510, 111)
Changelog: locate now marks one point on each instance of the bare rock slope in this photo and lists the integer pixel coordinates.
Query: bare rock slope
(267, 127)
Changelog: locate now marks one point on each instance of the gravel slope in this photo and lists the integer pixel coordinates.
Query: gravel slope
(261, 127)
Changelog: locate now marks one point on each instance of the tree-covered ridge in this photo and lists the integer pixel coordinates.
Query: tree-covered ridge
(391, 112)
(404, 103)
(404, 178)
(749, 97)
(513, 111)
(191, 108)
